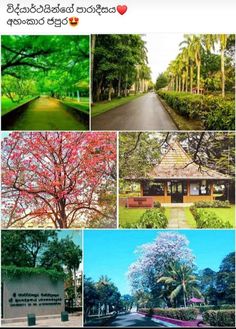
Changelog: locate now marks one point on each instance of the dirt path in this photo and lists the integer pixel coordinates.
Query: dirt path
(46, 113)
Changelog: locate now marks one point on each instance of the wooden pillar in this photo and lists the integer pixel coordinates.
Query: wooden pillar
(188, 188)
(165, 191)
(141, 188)
(165, 188)
(211, 190)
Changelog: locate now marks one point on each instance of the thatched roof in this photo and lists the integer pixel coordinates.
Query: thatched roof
(177, 164)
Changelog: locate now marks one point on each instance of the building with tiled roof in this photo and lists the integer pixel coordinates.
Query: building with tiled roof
(178, 179)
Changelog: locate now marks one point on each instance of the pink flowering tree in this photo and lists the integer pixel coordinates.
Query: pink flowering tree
(67, 179)
(154, 258)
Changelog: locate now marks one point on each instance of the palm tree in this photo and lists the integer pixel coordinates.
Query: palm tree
(73, 258)
(179, 279)
(223, 43)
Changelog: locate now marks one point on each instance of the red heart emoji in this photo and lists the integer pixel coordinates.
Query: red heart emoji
(122, 9)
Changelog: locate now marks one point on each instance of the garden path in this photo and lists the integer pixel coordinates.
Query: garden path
(177, 218)
(143, 113)
(47, 113)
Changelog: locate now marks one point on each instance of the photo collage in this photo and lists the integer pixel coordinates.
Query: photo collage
(118, 180)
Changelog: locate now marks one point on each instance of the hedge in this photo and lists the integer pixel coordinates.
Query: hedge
(205, 308)
(154, 218)
(206, 219)
(220, 318)
(212, 204)
(215, 112)
(185, 314)
(13, 272)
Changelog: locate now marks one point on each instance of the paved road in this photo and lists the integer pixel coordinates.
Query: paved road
(46, 113)
(133, 320)
(144, 113)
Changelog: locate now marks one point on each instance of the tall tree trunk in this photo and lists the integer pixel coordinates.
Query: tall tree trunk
(187, 73)
(110, 92)
(183, 83)
(126, 84)
(75, 288)
(98, 92)
(93, 42)
(176, 83)
(223, 72)
(119, 85)
(184, 299)
(198, 76)
(179, 83)
(191, 79)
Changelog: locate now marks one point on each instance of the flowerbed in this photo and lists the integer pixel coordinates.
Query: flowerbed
(215, 112)
(185, 314)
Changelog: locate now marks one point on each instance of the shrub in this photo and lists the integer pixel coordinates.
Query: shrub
(186, 314)
(212, 204)
(215, 112)
(220, 318)
(205, 308)
(206, 219)
(154, 218)
(157, 204)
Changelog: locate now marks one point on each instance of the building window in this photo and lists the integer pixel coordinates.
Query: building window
(200, 188)
(195, 188)
(153, 188)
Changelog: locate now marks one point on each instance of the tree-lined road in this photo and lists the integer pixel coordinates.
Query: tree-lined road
(143, 113)
(46, 113)
(134, 320)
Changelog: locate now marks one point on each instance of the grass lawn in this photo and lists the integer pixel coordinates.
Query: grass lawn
(83, 105)
(8, 105)
(101, 107)
(167, 213)
(132, 215)
(226, 214)
(129, 215)
(189, 218)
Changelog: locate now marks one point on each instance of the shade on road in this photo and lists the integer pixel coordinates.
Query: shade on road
(143, 113)
(133, 320)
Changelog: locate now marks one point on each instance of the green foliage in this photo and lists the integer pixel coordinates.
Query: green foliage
(220, 318)
(206, 219)
(212, 204)
(205, 308)
(185, 314)
(138, 152)
(153, 218)
(56, 65)
(120, 60)
(215, 112)
(102, 292)
(22, 248)
(12, 272)
(161, 81)
(157, 204)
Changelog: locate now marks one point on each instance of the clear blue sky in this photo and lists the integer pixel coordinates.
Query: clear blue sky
(75, 235)
(110, 252)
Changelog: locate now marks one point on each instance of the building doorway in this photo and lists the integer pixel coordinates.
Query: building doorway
(176, 192)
